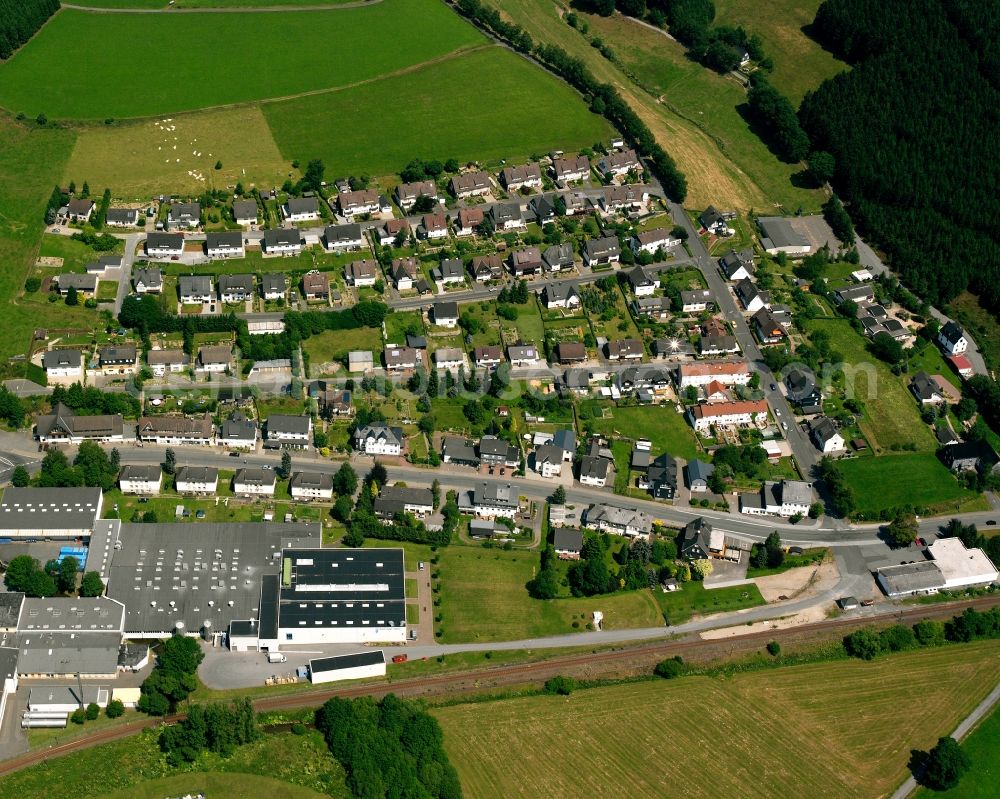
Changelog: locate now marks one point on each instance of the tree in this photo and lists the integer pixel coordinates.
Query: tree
(313, 177)
(115, 709)
(218, 165)
(945, 765)
(436, 493)
(94, 466)
(91, 585)
(821, 166)
(286, 464)
(378, 474)
(66, 578)
(670, 668)
(775, 551)
(345, 481)
(563, 686)
(169, 462)
(902, 531)
(78, 716)
(20, 477)
(773, 648)
(864, 644)
(342, 508)
(558, 496)
(71, 296)
(702, 568)
(93, 711)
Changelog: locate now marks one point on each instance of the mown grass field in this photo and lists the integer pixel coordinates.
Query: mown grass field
(208, 3)
(983, 749)
(331, 345)
(484, 105)
(296, 766)
(483, 598)
(693, 597)
(800, 64)
(914, 479)
(891, 416)
(662, 425)
(228, 57)
(841, 729)
(144, 164)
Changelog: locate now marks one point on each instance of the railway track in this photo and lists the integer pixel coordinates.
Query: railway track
(473, 680)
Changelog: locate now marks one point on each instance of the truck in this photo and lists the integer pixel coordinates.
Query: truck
(399, 658)
(276, 657)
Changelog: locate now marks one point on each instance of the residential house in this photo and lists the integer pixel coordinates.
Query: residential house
(485, 268)
(618, 163)
(787, 498)
(237, 432)
(400, 359)
(628, 349)
(214, 359)
(696, 540)
(254, 483)
(661, 477)
(571, 352)
(641, 283)
(162, 362)
(751, 298)
(185, 215)
(577, 203)
(515, 178)
(698, 472)
(333, 402)
(407, 194)
(487, 357)
(803, 392)
(652, 241)
(560, 295)
(541, 209)
(417, 342)
(121, 359)
(548, 460)
(62, 364)
(164, 245)
(526, 262)
(360, 361)
(450, 271)
(148, 280)
(740, 413)
(195, 289)
(141, 479)
(287, 431)
(506, 217)
(628, 522)
(779, 235)
(176, 430)
(489, 500)
(624, 199)
(594, 470)
(952, 340)
(860, 295)
(574, 381)
(559, 257)
(471, 184)
(568, 170)
(391, 230)
(600, 252)
(196, 480)
(101, 266)
(224, 245)
(648, 382)
(404, 271)
(824, 434)
(460, 451)
(306, 486)
(395, 500)
(122, 217)
(343, 238)
(524, 356)
(245, 212)
(379, 439)
(925, 389)
(674, 348)
(236, 288)
(498, 453)
(716, 222)
(361, 273)
(768, 329)
(63, 426)
(737, 265)
(433, 227)
(82, 284)
(273, 286)
(301, 209)
(469, 220)
(656, 308)
(316, 285)
(449, 358)
(730, 373)
(445, 314)
(568, 544)
(696, 301)
(285, 242)
(362, 201)
(970, 456)
(714, 345)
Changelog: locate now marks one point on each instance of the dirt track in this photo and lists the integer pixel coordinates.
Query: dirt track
(622, 662)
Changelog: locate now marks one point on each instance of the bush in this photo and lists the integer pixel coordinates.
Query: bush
(78, 716)
(563, 686)
(32, 284)
(670, 668)
(773, 648)
(93, 711)
(865, 644)
(114, 709)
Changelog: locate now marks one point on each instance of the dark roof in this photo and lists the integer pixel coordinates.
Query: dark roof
(149, 471)
(567, 540)
(274, 238)
(49, 508)
(278, 422)
(227, 239)
(446, 310)
(61, 358)
(10, 608)
(369, 657)
(952, 332)
(155, 240)
(316, 481)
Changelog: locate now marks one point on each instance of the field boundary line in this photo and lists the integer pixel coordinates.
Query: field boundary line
(225, 10)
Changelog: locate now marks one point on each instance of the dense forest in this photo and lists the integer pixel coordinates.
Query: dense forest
(913, 130)
(20, 19)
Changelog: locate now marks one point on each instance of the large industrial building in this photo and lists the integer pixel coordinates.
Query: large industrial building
(36, 513)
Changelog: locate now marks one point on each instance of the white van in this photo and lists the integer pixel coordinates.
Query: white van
(276, 657)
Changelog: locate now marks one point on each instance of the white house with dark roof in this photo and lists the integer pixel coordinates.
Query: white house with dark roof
(141, 479)
(598, 252)
(300, 209)
(737, 265)
(568, 170)
(245, 212)
(524, 356)
(651, 241)
(273, 286)
(471, 184)
(559, 257)
(560, 295)
(224, 245)
(285, 242)
(618, 163)
(362, 273)
(80, 210)
(163, 361)
(254, 482)
(952, 339)
(361, 201)
(445, 314)
(407, 194)
(236, 288)
(186, 215)
(507, 216)
(148, 280)
(515, 178)
(305, 486)
(284, 430)
(122, 217)
(196, 480)
(825, 435)
(164, 245)
(433, 227)
(400, 359)
(63, 364)
(342, 238)
(379, 439)
(490, 499)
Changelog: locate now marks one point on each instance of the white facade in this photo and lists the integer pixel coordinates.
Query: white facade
(727, 414)
(253, 489)
(960, 566)
(352, 673)
(190, 486)
(141, 486)
(701, 374)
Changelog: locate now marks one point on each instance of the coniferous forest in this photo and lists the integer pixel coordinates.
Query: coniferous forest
(20, 19)
(914, 131)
